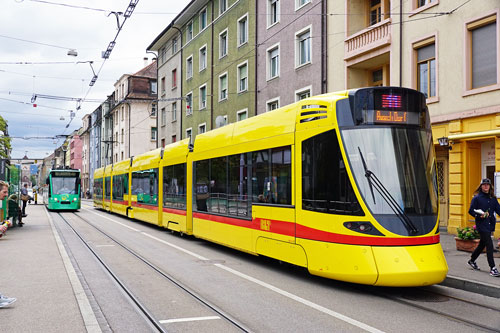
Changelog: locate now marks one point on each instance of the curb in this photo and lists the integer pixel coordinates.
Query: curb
(471, 286)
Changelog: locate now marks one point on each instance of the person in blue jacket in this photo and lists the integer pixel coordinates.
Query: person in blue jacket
(483, 207)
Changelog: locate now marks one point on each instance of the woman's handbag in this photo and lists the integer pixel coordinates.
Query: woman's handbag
(24, 197)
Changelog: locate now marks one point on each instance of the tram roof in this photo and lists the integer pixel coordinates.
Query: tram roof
(266, 126)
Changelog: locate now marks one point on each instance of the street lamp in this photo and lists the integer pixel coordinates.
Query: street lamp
(444, 142)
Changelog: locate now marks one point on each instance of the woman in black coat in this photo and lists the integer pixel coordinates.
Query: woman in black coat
(483, 207)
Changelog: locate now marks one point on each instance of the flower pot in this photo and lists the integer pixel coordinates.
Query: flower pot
(467, 245)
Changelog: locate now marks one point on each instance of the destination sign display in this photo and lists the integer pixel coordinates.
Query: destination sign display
(395, 117)
(64, 174)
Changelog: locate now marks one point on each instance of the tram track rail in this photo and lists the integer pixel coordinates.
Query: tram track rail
(418, 297)
(141, 307)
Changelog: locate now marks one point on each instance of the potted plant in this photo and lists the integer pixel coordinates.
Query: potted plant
(467, 239)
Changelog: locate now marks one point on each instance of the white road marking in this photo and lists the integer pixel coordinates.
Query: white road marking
(282, 292)
(180, 320)
(104, 245)
(89, 318)
(107, 218)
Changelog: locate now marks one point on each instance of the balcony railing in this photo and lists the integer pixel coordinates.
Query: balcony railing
(369, 39)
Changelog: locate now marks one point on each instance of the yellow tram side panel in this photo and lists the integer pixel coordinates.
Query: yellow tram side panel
(145, 212)
(344, 262)
(98, 174)
(176, 219)
(269, 130)
(120, 206)
(107, 200)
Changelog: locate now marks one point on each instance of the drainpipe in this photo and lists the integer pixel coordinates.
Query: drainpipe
(256, 56)
(157, 103)
(211, 72)
(324, 62)
(400, 43)
(179, 75)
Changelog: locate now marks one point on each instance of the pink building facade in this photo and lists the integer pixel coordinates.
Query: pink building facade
(75, 146)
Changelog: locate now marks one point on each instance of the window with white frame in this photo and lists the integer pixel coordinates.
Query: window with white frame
(241, 115)
(189, 67)
(153, 110)
(163, 55)
(243, 77)
(189, 103)
(482, 43)
(302, 93)
(203, 58)
(174, 111)
(243, 30)
(426, 67)
(189, 31)
(223, 87)
(163, 88)
(303, 47)
(154, 132)
(300, 3)
(421, 3)
(189, 132)
(203, 19)
(273, 12)
(203, 96)
(154, 87)
(163, 116)
(202, 128)
(222, 6)
(223, 44)
(273, 104)
(174, 78)
(174, 45)
(273, 62)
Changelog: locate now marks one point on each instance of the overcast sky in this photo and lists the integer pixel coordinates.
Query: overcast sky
(27, 25)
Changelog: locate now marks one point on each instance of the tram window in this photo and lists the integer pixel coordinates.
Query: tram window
(326, 186)
(217, 202)
(272, 177)
(201, 185)
(238, 185)
(281, 179)
(118, 187)
(98, 188)
(107, 187)
(174, 186)
(145, 186)
(260, 174)
(125, 184)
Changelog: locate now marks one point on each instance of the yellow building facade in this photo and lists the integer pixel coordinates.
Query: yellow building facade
(450, 51)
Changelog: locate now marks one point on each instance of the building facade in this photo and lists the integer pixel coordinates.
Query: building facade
(453, 58)
(215, 41)
(75, 147)
(134, 114)
(85, 136)
(291, 52)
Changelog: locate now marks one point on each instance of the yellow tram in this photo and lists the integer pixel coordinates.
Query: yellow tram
(343, 184)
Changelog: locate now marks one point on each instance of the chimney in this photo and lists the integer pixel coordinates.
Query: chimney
(146, 61)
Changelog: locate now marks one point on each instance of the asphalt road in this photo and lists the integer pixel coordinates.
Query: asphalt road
(260, 293)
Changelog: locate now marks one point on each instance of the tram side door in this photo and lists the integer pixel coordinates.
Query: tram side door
(442, 182)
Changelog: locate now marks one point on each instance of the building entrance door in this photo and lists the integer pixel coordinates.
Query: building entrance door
(442, 182)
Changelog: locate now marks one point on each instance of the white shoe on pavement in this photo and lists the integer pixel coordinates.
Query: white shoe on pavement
(6, 301)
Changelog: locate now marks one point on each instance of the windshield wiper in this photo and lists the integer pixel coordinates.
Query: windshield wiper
(373, 181)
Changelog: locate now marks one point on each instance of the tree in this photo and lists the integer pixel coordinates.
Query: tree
(5, 146)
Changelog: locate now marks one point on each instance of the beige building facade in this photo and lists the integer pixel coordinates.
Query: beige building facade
(450, 51)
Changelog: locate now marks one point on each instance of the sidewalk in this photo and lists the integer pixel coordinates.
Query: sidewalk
(461, 276)
(32, 271)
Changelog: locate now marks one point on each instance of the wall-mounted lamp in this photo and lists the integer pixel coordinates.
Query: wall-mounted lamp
(444, 142)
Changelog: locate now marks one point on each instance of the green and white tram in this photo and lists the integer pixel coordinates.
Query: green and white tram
(63, 192)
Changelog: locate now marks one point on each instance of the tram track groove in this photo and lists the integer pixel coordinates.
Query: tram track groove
(458, 318)
(127, 291)
(163, 274)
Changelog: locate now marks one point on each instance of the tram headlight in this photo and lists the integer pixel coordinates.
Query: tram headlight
(362, 227)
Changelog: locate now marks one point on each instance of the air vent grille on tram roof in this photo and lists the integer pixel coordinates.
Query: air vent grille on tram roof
(311, 112)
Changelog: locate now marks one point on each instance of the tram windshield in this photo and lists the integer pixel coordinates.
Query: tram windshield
(402, 160)
(64, 185)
